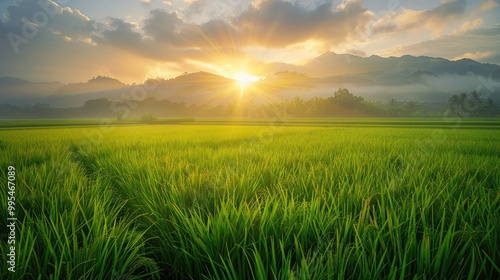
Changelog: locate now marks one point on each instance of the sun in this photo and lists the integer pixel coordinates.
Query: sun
(244, 79)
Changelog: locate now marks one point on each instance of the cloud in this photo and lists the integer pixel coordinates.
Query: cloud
(29, 23)
(211, 9)
(410, 20)
(28, 20)
(163, 26)
(68, 44)
(487, 5)
(146, 3)
(150, 44)
(122, 35)
(480, 44)
(196, 7)
(168, 29)
(213, 34)
(356, 52)
(469, 25)
(59, 43)
(276, 24)
(475, 56)
(280, 24)
(166, 37)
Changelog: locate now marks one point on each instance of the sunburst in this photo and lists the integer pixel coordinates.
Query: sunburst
(245, 79)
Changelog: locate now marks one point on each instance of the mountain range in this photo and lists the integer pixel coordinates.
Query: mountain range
(403, 78)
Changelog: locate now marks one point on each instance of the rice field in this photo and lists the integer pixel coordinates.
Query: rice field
(215, 201)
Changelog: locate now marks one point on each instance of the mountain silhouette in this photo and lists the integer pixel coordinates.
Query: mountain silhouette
(99, 83)
(18, 91)
(407, 77)
(390, 69)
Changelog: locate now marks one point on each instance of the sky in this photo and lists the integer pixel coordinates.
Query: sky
(133, 40)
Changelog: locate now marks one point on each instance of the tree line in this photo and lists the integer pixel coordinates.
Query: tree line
(341, 104)
(345, 104)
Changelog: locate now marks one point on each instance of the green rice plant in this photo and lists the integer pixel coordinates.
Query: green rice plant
(71, 227)
(257, 202)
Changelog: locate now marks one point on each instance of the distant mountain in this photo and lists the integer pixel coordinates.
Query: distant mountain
(287, 80)
(75, 94)
(392, 69)
(198, 78)
(11, 81)
(19, 91)
(404, 78)
(377, 78)
(98, 83)
(418, 77)
(201, 88)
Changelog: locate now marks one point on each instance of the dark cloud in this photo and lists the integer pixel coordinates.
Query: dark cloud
(122, 34)
(273, 23)
(280, 23)
(47, 15)
(169, 29)
(163, 26)
(213, 34)
(165, 36)
(49, 42)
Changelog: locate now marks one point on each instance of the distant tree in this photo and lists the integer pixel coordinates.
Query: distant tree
(296, 106)
(41, 106)
(314, 105)
(394, 108)
(490, 108)
(454, 101)
(101, 104)
(411, 106)
(244, 106)
(374, 108)
(148, 117)
(342, 103)
(345, 99)
(472, 105)
(119, 116)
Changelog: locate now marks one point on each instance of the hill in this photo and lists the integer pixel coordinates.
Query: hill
(424, 79)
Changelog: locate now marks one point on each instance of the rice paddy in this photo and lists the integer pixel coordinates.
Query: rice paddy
(254, 201)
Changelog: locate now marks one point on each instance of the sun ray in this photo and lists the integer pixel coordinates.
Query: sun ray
(245, 79)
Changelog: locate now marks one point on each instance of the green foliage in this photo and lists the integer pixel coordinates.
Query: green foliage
(256, 202)
(472, 105)
(70, 226)
(148, 117)
(342, 104)
(120, 115)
